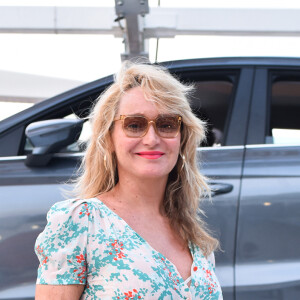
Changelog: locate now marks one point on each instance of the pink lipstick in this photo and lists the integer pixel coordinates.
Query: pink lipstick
(150, 154)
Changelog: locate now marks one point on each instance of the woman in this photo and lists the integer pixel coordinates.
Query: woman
(135, 232)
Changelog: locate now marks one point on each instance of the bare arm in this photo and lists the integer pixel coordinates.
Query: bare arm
(58, 292)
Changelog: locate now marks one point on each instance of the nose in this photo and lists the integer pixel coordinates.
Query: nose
(151, 138)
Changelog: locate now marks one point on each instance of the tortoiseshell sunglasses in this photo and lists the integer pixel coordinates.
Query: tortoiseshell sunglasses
(137, 126)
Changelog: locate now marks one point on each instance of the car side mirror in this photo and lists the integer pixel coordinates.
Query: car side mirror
(50, 136)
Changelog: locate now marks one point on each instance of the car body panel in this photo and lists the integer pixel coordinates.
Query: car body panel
(223, 165)
(268, 239)
(27, 195)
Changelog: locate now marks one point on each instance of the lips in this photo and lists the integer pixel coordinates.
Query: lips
(150, 154)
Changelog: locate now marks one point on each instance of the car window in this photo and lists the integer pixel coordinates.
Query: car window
(211, 103)
(284, 120)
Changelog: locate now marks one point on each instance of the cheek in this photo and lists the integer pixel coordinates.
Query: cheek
(122, 145)
(175, 148)
(177, 143)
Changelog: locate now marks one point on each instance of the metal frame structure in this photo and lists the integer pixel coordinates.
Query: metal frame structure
(132, 20)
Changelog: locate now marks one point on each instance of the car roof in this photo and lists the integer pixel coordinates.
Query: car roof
(174, 66)
(235, 61)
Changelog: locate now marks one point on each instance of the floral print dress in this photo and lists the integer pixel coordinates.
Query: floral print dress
(86, 243)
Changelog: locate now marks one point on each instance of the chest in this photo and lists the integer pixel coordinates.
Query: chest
(158, 235)
(122, 262)
(161, 237)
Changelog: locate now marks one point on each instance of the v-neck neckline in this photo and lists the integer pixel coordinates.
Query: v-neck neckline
(190, 246)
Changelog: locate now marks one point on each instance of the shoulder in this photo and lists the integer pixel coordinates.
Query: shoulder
(69, 219)
(73, 208)
(61, 247)
(69, 205)
(74, 227)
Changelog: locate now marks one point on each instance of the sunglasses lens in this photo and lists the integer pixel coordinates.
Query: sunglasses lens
(135, 126)
(167, 126)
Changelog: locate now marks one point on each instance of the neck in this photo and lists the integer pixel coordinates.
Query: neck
(144, 195)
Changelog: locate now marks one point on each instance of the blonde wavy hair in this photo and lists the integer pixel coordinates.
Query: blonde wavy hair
(185, 186)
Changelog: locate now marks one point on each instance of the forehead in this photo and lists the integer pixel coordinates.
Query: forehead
(134, 102)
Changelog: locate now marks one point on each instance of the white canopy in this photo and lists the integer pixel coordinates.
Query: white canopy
(19, 91)
(27, 88)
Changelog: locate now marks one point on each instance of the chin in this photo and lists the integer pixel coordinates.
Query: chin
(150, 173)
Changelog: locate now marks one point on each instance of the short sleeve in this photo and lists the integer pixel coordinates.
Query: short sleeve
(61, 247)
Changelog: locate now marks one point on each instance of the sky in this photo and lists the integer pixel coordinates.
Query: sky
(89, 57)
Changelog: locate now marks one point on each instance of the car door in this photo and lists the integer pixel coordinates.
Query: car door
(223, 96)
(268, 240)
(26, 195)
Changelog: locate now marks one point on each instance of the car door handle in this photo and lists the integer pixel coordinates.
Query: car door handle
(218, 188)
